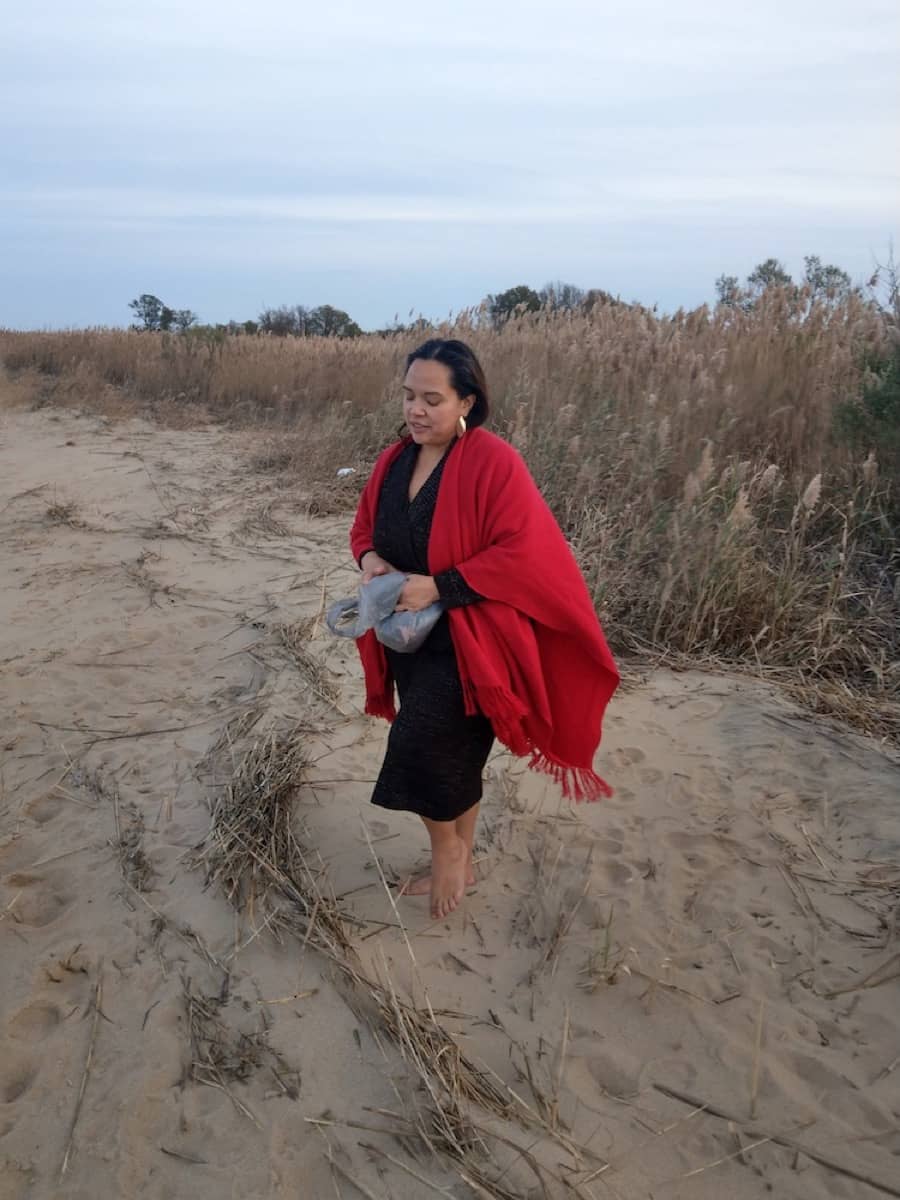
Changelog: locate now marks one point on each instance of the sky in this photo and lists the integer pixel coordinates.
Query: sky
(397, 159)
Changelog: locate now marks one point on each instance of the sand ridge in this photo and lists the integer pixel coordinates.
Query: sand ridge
(702, 973)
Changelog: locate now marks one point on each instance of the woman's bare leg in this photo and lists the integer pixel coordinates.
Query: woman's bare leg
(449, 862)
(465, 830)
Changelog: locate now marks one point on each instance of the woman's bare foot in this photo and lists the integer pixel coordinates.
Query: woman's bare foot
(420, 885)
(448, 877)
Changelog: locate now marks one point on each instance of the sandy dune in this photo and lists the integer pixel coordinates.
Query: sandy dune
(702, 975)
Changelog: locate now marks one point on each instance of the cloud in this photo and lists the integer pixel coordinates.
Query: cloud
(240, 145)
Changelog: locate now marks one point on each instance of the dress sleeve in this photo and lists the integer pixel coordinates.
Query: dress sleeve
(453, 589)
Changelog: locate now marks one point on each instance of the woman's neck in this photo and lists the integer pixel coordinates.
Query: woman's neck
(433, 454)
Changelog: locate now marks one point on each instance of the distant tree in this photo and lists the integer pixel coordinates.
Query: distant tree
(288, 320)
(822, 281)
(768, 274)
(729, 291)
(504, 305)
(825, 281)
(155, 317)
(233, 328)
(183, 319)
(561, 295)
(297, 321)
(597, 296)
(732, 294)
(152, 314)
(420, 327)
(326, 321)
(883, 289)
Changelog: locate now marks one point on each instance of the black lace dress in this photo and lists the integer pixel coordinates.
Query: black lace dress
(435, 754)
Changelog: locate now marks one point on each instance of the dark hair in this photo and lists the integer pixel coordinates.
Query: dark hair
(466, 374)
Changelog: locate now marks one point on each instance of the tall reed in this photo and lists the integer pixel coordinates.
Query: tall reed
(691, 459)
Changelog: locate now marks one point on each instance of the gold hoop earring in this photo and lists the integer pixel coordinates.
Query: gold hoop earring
(461, 427)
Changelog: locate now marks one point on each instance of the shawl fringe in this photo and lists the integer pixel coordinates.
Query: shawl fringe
(506, 714)
(577, 783)
(503, 711)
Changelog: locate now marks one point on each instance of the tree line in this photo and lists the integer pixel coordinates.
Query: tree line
(820, 281)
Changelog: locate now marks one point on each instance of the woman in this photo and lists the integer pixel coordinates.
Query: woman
(518, 653)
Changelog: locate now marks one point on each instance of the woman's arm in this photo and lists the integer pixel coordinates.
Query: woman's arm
(453, 589)
(449, 587)
(362, 531)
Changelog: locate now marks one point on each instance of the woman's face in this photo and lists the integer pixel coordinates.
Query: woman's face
(431, 406)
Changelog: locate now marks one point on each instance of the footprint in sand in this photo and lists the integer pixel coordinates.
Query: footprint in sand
(650, 776)
(17, 1074)
(16, 855)
(615, 874)
(43, 809)
(37, 903)
(618, 1072)
(627, 756)
(612, 846)
(690, 848)
(35, 1021)
(708, 781)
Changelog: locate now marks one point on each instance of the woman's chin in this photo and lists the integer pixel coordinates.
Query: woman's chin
(428, 437)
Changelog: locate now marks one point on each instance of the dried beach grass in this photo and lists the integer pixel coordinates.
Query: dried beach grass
(137, 870)
(694, 462)
(221, 1054)
(252, 851)
(262, 523)
(251, 819)
(294, 637)
(461, 1112)
(604, 964)
(64, 512)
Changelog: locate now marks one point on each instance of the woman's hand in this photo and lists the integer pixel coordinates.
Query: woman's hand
(418, 592)
(373, 564)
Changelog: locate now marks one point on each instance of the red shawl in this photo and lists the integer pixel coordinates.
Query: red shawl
(531, 656)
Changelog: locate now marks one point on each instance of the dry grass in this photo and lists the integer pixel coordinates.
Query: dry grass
(221, 1053)
(606, 962)
(64, 512)
(691, 460)
(262, 523)
(251, 841)
(137, 870)
(294, 638)
(453, 1109)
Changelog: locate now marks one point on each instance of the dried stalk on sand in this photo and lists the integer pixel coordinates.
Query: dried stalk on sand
(262, 523)
(220, 1053)
(135, 866)
(294, 638)
(253, 853)
(89, 1058)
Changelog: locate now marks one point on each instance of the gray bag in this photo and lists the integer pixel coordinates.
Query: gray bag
(374, 608)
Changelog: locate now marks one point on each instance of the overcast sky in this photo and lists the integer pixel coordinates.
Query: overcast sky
(392, 157)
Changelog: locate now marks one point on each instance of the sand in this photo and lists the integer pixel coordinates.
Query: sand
(701, 974)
